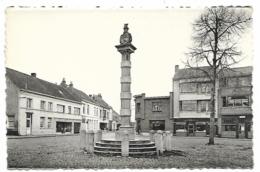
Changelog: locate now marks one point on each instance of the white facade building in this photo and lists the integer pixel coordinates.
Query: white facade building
(36, 107)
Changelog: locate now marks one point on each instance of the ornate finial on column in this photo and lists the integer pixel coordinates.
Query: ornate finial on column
(126, 37)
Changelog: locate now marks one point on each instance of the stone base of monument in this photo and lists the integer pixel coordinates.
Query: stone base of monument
(124, 143)
(135, 148)
(125, 130)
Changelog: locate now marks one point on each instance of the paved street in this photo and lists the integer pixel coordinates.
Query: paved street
(63, 152)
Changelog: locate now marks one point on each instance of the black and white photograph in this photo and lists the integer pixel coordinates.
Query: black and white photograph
(133, 88)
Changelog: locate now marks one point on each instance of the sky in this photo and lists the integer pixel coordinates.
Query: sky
(79, 45)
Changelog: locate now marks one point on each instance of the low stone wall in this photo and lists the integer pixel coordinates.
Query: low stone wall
(88, 139)
(181, 133)
(163, 140)
(200, 133)
(231, 134)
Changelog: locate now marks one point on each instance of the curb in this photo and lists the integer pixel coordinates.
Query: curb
(39, 136)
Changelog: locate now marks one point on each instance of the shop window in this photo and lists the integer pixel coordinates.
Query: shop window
(63, 127)
(188, 105)
(230, 127)
(245, 102)
(157, 125)
(200, 127)
(156, 106)
(179, 127)
(238, 102)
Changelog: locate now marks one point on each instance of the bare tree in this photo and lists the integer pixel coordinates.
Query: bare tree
(215, 36)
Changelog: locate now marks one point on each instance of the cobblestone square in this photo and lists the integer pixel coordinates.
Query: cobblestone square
(64, 152)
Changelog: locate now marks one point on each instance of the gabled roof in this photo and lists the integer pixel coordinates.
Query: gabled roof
(34, 84)
(83, 96)
(30, 83)
(188, 73)
(115, 113)
(98, 99)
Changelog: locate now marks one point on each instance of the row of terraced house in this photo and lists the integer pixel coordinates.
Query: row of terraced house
(38, 107)
(186, 111)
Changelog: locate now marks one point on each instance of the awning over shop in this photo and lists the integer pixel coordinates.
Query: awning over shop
(200, 123)
(180, 123)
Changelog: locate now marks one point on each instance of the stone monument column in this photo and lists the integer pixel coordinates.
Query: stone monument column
(126, 49)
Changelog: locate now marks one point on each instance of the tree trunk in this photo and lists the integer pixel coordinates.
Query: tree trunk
(212, 118)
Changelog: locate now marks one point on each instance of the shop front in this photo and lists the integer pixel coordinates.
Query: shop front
(157, 125)
(192, 127)
(237, 126)
(67, 126)
(103, 126)
(64, 127)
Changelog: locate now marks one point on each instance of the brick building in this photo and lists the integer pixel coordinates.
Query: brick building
(187, 110)
(153, 113)
(233, 101)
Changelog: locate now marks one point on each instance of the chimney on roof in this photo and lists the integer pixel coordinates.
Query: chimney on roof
(176, 68)
(33, 75)
(71, 84)
(63, 83)
(99, 95)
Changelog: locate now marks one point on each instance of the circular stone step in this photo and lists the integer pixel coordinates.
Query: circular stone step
(136, 147)
(108, 144)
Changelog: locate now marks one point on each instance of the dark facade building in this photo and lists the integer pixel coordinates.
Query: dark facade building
(186, 111)
(153, 113)
(233, 101)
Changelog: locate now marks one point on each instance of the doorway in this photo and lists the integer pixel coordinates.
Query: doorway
(76, 127)
(191, 129)
(28, 123)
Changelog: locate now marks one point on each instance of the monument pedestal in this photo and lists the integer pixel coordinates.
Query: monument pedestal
(123, 130)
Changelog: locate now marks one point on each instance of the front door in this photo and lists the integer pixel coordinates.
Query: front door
(28, 123)
(191, 130)
(76, 127)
